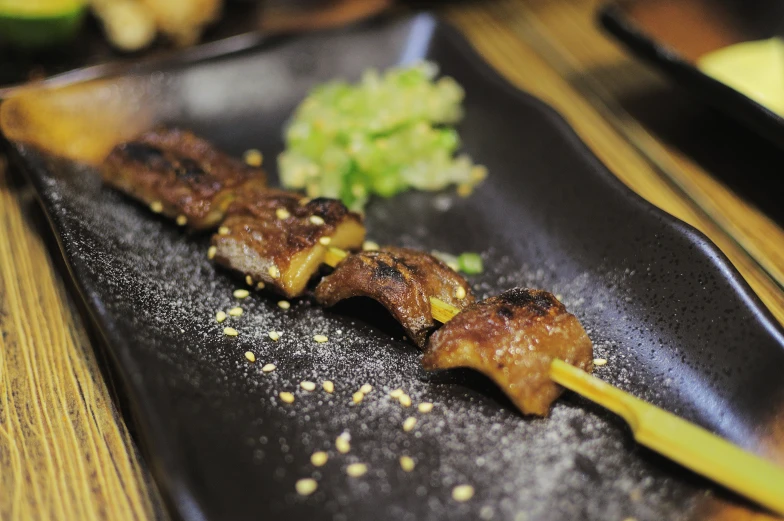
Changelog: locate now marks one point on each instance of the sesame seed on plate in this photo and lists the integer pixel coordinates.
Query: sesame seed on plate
(253, 157)
(224, 230)
(405, 400)
(235, 312)
(356, 470)
(315, 219)
(599, 362)
(319, 458)
(357, 397)
(260, 285)
(284, 304)
(220, 316)
(308, 386)
(182, 220)
(328, 386)
(230, 331)
(250, 356)
(248, 280)
(282, 213)
(366, 388)
(324, 241)
(342, 443)
(409, 424)
(306, 486)
(397, 393)
(211, 252)
(460, 293)
(274, 272)
(320, 338)
(425, 407)
(462, 493)
(241, 293)
(407, 463)
(274, 336)
(156, 206)
(286, 397)
(268, 368)
(370, 246)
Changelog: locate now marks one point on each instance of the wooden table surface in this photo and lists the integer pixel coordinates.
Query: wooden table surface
(65, 450)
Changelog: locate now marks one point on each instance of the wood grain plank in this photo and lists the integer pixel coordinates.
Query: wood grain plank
(64, 451)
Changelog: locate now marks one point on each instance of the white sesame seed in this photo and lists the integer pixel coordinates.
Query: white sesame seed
(425, 407)
(156, 206)
(182, 220)
(460, 293)
(342, 444)
(407, 463)
(282, 213)
(241, 293)
(397, 393)
(370, 246)
(409, 424)
(250, 356)
(356, 470)
(220, 316)
(319, 458)
(260, 285)
(462, 493)
(224, 230)
(253, 157)
(324, 241)
(284, 304)
(328, 386)
(286, 397)
(248, 280)
(268, 368)
(366, 388)
(274, 336)
(405, 400)
(211, 251)
(235, 312)
(315, 219)
(599, 362)
(306, 486)
(320, 338)
(308, 386)
(357, 397)
(230, 331)
(274, 272)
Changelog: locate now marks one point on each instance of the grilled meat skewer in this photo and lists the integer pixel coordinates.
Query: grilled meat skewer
(400, 279)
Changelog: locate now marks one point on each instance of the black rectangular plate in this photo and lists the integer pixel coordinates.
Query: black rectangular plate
(672, 34)
(675, 321)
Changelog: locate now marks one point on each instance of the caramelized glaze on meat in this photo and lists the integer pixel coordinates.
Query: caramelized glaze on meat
(180, 174)
(402, 280)
(512, 338)
(272, 237)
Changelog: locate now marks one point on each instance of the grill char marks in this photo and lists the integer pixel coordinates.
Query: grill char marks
(182, 173)
(512, 338)
(273, 238)
(401, 280)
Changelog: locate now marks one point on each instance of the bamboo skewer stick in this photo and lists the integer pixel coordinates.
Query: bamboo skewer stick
(683, 442)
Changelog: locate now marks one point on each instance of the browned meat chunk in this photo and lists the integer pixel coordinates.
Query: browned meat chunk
(512, 338)
(402, 280)
(180, 175)
(274, 238)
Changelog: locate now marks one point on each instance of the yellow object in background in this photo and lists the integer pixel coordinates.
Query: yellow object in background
(755, 69)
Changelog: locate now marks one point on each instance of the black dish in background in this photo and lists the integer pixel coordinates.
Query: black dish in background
(751, 21)
(677, 323)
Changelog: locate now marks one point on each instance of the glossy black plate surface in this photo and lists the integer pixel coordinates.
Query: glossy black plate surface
(672, 34)
(674, 320)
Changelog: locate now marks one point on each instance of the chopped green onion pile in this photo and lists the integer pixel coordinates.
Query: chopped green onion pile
(468, 262)
(386, 134)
